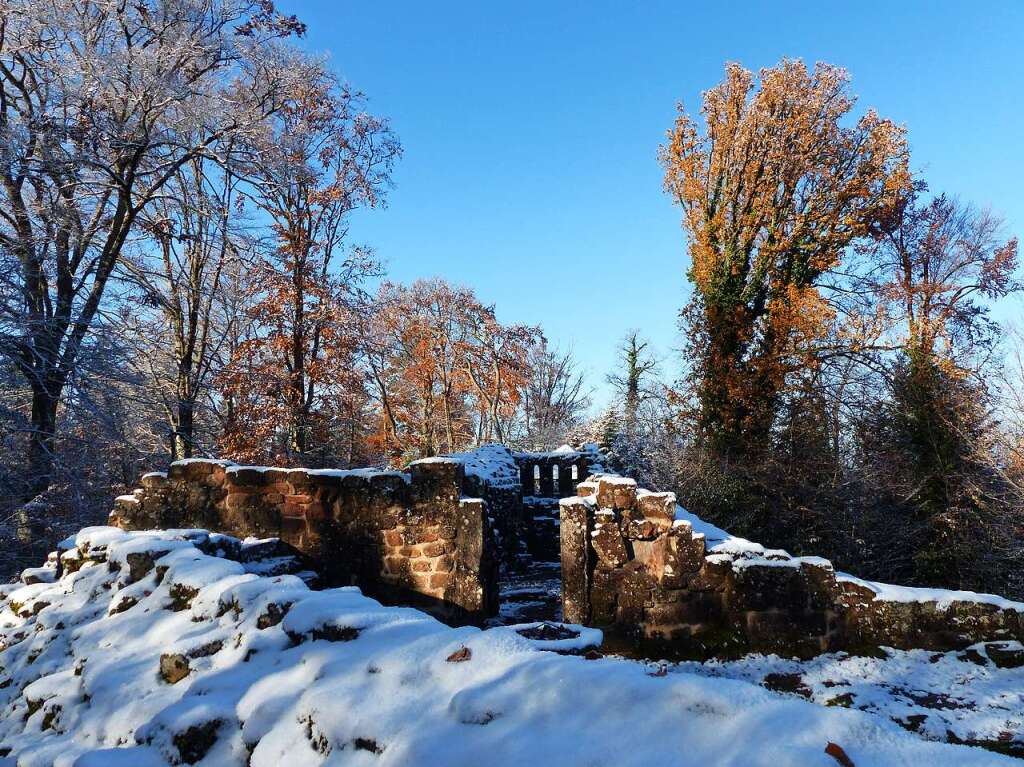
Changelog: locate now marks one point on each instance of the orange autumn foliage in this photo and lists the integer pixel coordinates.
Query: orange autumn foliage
(443, 372)
(776, 186)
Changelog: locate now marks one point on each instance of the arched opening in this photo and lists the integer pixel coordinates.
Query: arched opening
(536, 479)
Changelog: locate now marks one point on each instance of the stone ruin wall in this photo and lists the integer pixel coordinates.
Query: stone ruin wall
(630, 567)
(433, 536)
(412, 537)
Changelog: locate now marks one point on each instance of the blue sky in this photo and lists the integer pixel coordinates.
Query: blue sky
(531, 130)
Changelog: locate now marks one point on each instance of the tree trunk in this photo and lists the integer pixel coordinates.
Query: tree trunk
(43, 443)
(184, 431)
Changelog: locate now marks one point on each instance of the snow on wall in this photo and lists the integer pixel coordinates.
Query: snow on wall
(410, 537)
(493, 464)
(636, 561)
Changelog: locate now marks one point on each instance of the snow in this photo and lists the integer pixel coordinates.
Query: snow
(722, 545)
(187, 461)
(492, 464)
(714, 535)
(615, 481)
(39, 574)
(400, 688)
(937, 694)
(585, 637)
(363, 472)
(942, 597)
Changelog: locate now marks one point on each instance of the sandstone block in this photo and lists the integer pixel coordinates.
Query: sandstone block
(247, 477)
(433, 549)
(763, 587)
(616, 493)
(607, 542)
(173, 667)
(154, 480)
(315, 510)
(658, 507)
(574, 551)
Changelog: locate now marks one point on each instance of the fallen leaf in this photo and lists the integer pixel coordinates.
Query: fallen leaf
(460, 655)
(836, 752)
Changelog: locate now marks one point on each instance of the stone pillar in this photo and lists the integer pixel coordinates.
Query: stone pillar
(575, 544)
(547, 481)
(473, 584)
(436, 486)
(566, 487)
(526, 476)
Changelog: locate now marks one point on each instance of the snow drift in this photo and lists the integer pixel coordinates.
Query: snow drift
(162, 648)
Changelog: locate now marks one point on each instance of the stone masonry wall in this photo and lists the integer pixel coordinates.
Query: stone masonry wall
(545, 478)
(630, 566)
(403, 537)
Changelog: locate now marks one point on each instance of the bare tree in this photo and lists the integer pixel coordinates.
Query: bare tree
(319, 158)
(101, 102)
(192, 229)
(632, 379)
(554, 398)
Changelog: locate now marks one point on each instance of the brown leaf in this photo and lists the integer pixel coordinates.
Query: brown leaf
(460, 655)
(836, 752)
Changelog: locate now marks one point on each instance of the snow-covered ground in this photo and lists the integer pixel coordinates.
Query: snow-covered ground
(955, 696)
(196, 660)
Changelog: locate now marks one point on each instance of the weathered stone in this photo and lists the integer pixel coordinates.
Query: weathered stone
(791, 683)
(140, 563)
(607, 542)
(714, 575)
(1005, 654)
(658, 507)
(651, 554)
(272, 615)
(820, 582)
(196, 741)
(155, 480)
(206, 650)
(616, 493)
(173, 667)
(696, 609)
(247, 477)
(181, 596)
(684, 556)
(433, 549)
(766, 586)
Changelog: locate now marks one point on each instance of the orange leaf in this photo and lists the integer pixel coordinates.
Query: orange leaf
(836, 752)
(460, 656)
